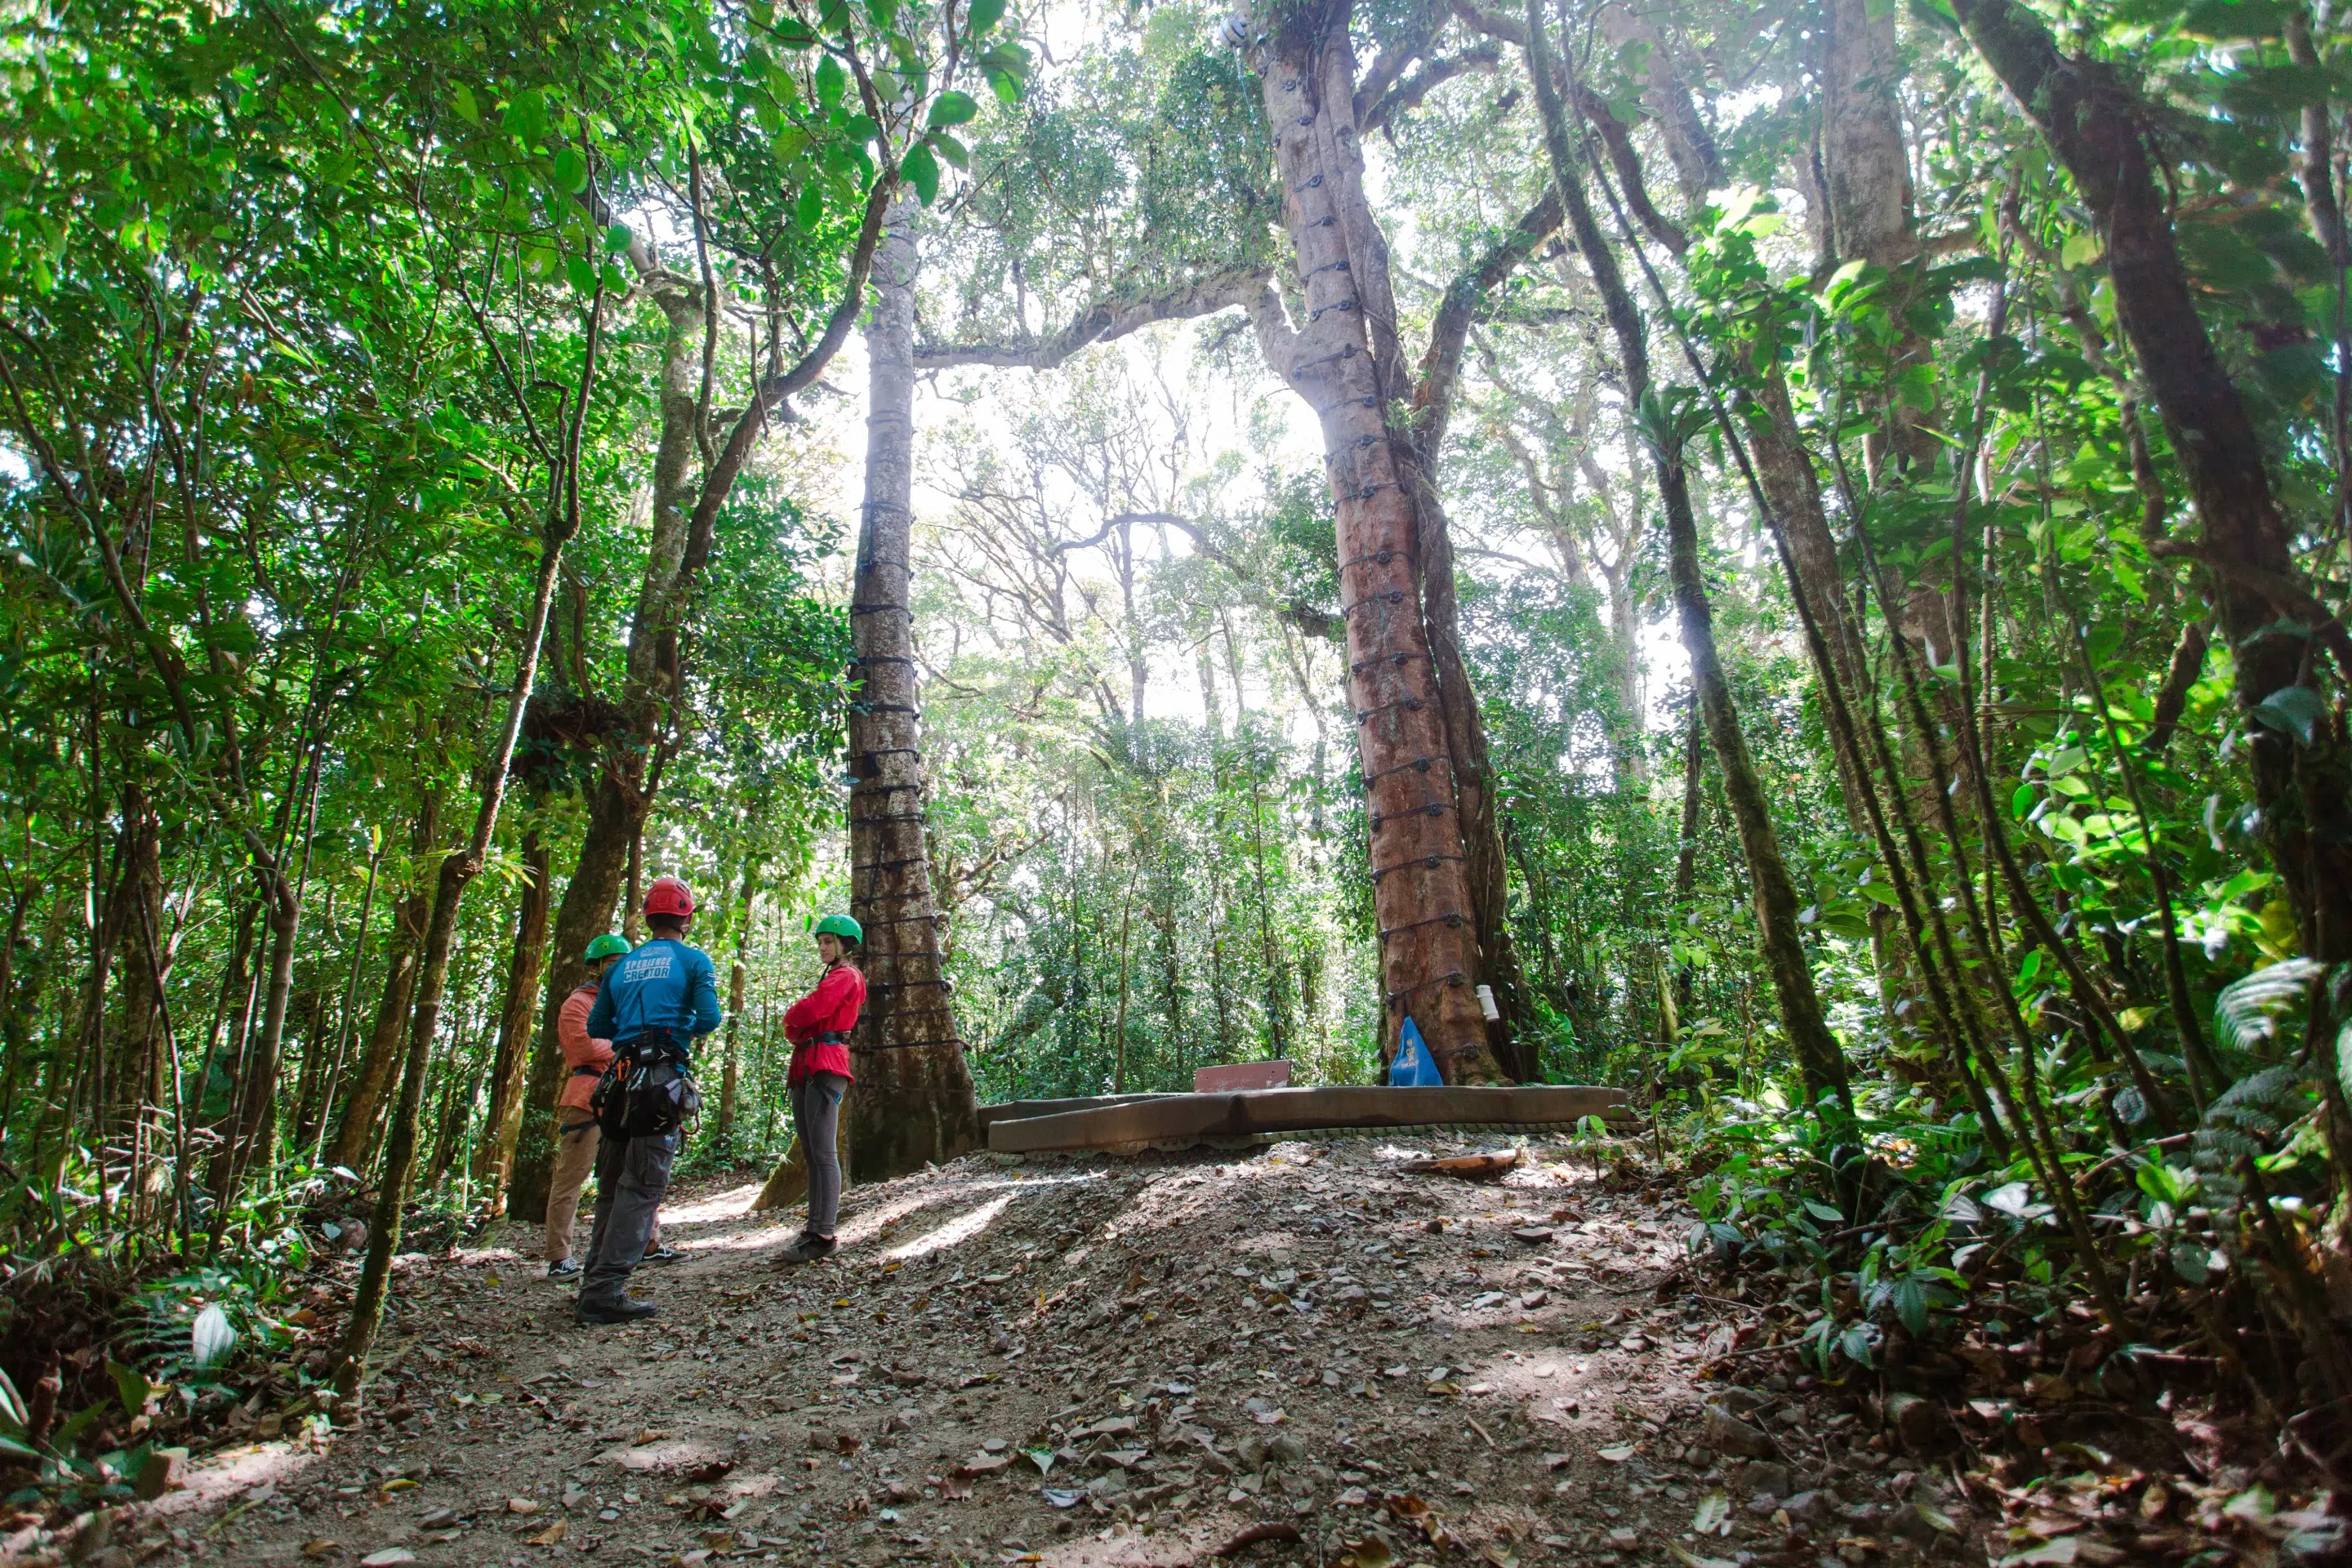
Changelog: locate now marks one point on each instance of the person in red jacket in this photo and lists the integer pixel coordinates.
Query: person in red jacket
(819, 1027)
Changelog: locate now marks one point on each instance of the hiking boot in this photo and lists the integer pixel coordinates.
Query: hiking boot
(624, 1310)
(806, 1248)
(663, 1255)
(565, 1268)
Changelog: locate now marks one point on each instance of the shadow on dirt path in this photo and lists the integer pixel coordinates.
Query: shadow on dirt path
(1096, 1360)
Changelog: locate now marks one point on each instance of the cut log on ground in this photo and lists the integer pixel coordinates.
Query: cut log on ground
(1470, 1167)
(1189, 1118)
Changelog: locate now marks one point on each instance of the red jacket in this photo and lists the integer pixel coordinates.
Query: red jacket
(830, 1008)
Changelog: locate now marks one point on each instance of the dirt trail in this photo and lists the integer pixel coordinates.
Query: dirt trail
(1084, 1361)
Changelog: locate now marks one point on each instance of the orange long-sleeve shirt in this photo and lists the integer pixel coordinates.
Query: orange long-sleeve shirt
(581, 1049)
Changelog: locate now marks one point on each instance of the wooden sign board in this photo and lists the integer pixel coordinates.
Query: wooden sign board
(1234, 1077)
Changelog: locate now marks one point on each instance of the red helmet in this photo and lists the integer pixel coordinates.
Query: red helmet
(668, 896)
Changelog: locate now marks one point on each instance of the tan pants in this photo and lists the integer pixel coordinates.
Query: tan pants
(576, 1141)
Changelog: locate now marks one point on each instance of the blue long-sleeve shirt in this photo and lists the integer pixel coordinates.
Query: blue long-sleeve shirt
(663, 984)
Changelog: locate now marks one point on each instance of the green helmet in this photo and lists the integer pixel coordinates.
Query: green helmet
(607, 946)
(842, 926)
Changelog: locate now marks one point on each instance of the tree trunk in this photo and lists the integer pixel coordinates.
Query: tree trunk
(145, 969)
(376, 1065)
(457, 869)
(494, 1156)
(623, 797)
(1819, 1059)
(1342, 359)
(914, 1099)
(252, 1129)
(583, 914)
(722, 1128)
(1698, 162)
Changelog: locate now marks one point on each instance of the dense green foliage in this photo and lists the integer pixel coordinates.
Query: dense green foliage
(316, 323)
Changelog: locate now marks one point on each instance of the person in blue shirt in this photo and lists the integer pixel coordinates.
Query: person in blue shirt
(654, 1003)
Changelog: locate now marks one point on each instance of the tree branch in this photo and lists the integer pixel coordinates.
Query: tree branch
(770, 393)
(1441, 364)
(1391, 61)
(1100, 323)
(1408, 93)
(1618, 138)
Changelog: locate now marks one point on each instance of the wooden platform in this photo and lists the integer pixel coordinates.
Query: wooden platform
(1037, 1126)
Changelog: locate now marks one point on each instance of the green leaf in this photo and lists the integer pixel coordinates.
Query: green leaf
(132, 1386)
(884, 12)
(1823, 1212)
(13, 1414)
(831, 81)
(948, 147)
(2021, 804)
(922, 171)
(861, 129)
(982, 16)
(526, 116)
(954, 109)
(571, 172)
(618, 240)
(2081, 249)
(1911, 1304)
(583, 275)
(809, 210)
(461, 98)
(2293, 709)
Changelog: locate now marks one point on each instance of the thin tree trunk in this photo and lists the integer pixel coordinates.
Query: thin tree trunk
(723, 1131)
(1819, 1059)
(343, 1014)
(623, 797)
(503, 1127)
(457, 869)
(381, 1056)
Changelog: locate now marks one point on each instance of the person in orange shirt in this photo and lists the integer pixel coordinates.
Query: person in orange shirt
(577, 1136)
(819, 1026)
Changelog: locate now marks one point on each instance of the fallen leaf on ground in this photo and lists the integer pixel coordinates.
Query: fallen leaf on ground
(390, 1557)
(320, 1546)
(548, 1537)
(1618, 1454)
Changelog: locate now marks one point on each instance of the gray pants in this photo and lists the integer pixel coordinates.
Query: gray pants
(632, 1174)
(817, 1117)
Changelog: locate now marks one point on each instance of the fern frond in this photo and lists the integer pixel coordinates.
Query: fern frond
(2245, 1117)
(2246, 1014)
